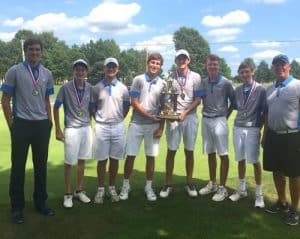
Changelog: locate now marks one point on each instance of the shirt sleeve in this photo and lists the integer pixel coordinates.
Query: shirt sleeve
(135, 90)
(9, 81)
(59, 98)
(197, 92)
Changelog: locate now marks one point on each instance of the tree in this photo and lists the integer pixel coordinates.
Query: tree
(132, 63)
(96, 52)
(295, 69)
(225, 69)
(263, 73)
(195, 44)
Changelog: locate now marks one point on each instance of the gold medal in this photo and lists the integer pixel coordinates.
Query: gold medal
(35, 92)
(182, 95)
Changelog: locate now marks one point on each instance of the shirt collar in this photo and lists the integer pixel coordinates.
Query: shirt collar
(284, 82)
(218, 78)
(113, 82)
(77, 87)
(148, 79)
(26, 64)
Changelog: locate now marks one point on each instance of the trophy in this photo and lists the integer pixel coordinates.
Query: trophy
(169, 96)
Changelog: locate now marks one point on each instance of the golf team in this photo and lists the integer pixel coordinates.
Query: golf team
(275, 109)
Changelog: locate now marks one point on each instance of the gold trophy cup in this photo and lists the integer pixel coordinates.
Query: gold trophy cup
(169, 96)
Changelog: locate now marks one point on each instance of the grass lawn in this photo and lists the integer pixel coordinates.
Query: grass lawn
(176, 217)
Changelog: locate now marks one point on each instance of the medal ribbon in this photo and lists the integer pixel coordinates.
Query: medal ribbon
(34, 82)
(182, 82)
(253, 88)
(79, 102)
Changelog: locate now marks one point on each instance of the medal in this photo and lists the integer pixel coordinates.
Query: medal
(182, 95)
(35, 82)
(79, 113)
(35, 92)
(182, 81)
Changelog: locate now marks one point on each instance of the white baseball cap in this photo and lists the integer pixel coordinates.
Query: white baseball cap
(182, 52)
(80, 62)
(111, 60)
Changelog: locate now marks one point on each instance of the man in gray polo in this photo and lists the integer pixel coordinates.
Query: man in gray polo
(281, 139)
(217, 92)
(76, 98)
(29, 84)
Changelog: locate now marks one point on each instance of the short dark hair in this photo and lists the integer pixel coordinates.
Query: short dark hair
(156, 56)
(32, 41)
(213, 57)
(246, 64)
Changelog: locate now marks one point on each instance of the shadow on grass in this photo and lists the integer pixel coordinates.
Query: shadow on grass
(175, 217)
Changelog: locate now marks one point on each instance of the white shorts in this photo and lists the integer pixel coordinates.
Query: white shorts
(246, 141)
(109, 141)
(136, 133)
(187, 129)
(78, 144)
(215, 135)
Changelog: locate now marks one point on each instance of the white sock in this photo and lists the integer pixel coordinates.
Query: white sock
(101, 188)
(148, 184)
(126, 182)
(258, 190)
(111, 188)
(242, 184)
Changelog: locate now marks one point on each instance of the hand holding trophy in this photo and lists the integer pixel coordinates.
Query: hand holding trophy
(169, 96)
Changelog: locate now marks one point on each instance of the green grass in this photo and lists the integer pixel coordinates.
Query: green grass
(176, 217)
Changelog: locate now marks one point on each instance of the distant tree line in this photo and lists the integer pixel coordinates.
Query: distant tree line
(58, 57)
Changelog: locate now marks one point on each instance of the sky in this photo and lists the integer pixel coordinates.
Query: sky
(234, 29)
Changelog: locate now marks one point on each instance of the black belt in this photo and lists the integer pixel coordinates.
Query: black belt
(211, 117)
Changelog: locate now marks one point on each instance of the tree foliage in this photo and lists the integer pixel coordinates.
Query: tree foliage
(58, 56)
(295, 69)
(195, 44)
(263, 73)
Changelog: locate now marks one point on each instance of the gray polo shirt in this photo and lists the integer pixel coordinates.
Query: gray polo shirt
(250, 103)
(111, 99)
(187, 87)
(28, 90)
(149, 94)
(216, 96)
(76, 103)
(283, 105)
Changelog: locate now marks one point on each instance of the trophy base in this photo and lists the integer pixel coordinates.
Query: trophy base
(170, 116)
